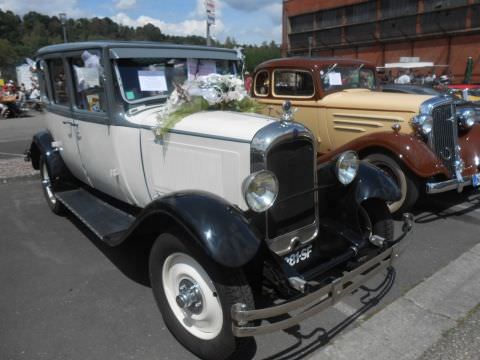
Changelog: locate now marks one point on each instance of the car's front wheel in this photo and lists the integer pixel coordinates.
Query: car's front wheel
(195, 296)
(405, 181)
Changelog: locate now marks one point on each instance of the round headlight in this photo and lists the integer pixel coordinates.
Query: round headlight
(423, 123)
(347, 167)
(260, 190)
(466, 117)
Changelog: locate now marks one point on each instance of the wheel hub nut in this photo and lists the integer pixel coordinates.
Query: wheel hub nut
(189, 296)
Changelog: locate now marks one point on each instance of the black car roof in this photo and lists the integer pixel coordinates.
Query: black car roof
(139, 48)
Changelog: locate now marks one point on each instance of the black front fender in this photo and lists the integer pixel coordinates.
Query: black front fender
(373, 183)
(215, 225)
(370, 183)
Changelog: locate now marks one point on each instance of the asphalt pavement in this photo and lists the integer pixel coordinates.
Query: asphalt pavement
(16, 133)
(66, 295)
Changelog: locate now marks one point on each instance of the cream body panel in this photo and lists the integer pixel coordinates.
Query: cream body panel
(352, 113)
(67, 135)
(207, 151)
(112, 158)
(186, 162)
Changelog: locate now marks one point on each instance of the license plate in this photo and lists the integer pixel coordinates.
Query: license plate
(476, 180)
(299, 256)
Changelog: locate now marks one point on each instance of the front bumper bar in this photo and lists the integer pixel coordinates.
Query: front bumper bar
(439, 187)
(320, 299)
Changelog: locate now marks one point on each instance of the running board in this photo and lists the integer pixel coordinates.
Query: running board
(103, 219)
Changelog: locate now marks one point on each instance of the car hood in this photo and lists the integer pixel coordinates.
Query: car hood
(374, 100)
(220, 124)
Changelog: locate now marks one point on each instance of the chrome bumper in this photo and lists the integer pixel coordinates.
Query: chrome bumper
(458, 184)
(320, 299)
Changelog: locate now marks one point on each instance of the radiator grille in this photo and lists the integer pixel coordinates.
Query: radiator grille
(444, 135)
(293, 164)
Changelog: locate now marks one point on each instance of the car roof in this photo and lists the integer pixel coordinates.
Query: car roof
(311, 62)
(135, 47)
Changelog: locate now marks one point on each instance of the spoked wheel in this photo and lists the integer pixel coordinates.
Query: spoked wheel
(195, 296)
(405, 181)
(48, 189)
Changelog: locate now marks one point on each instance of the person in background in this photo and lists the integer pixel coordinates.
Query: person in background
(248, 82)
(403, 78)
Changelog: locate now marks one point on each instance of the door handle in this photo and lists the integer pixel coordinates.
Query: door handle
(69, 123)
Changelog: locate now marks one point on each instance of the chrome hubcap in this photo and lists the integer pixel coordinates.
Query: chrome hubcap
(189, 297)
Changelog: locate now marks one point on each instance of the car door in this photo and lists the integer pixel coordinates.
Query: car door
(59, 118)
(94, 131)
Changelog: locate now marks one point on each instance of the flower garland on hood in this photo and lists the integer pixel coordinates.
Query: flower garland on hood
(210, 92)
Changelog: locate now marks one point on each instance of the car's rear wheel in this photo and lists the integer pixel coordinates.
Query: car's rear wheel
(195, 296)
(405, 181)
(49, 189)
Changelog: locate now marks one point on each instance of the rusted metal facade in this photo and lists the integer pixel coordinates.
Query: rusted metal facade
(445, 32)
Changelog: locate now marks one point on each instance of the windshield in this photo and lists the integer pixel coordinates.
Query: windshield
(149, 78)
(342, 77)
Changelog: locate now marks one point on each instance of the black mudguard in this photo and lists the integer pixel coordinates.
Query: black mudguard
(373, 183)
(42, 146)
(218, 227)
(343, 201)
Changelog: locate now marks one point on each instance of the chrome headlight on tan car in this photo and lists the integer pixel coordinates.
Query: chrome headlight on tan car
(347, 167)
(423, 123)
(260, 190)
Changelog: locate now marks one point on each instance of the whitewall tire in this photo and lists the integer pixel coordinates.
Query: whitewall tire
(195, 296)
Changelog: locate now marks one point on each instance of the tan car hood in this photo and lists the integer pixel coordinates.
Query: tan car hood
(374, 100)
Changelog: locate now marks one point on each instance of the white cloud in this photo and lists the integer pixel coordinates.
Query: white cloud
(186, 27)
(275, 12)
(49, 7)
(125, 4)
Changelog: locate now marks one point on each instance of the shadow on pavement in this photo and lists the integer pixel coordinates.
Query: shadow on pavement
(131, 258)
(449, 205)
(369, 299)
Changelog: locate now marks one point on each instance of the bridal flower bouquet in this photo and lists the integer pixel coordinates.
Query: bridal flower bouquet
(211, 92)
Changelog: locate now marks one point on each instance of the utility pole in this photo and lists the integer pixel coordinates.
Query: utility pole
(210, 8)
(63, 21)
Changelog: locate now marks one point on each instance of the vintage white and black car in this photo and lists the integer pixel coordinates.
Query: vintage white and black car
(233, 205)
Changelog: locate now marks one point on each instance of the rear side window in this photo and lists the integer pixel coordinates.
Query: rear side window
(87, 73)
(59, 82)
(262, 81)
(293, 83)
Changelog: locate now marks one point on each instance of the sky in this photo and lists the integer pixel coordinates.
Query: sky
(247, 21)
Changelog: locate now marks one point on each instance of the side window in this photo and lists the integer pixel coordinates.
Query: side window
(87, 73)
(262, 81)
(293, 83)
(59, 82)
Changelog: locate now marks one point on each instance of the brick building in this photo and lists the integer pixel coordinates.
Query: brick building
(444, 32)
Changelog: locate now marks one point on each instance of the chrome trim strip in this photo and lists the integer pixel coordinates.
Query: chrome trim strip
(440, 187)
